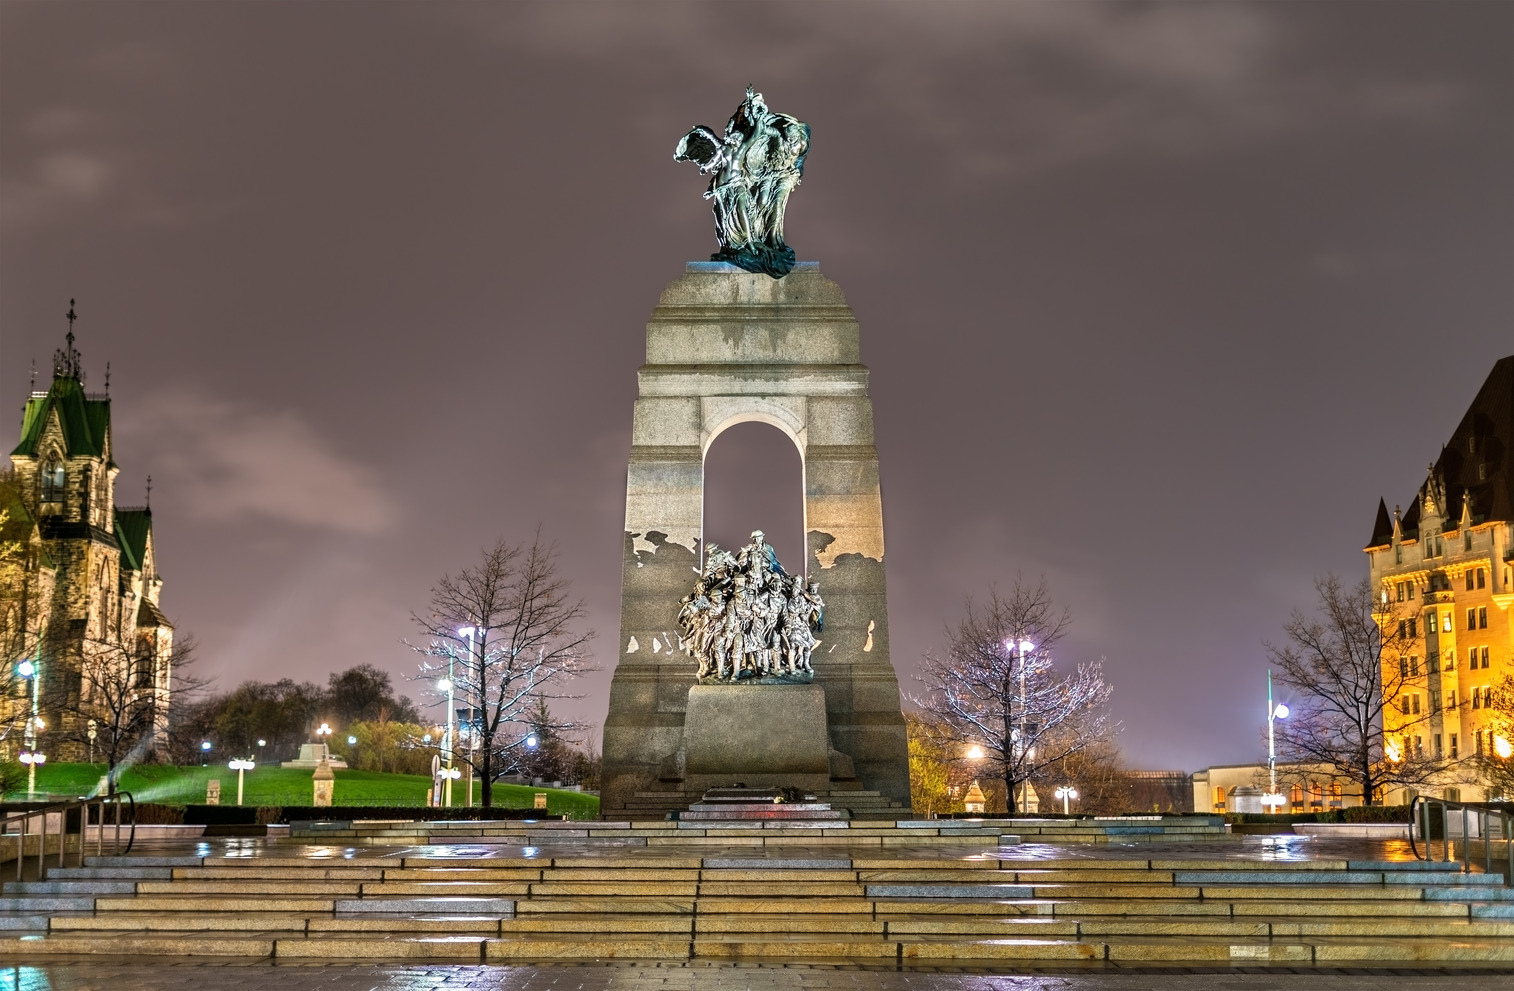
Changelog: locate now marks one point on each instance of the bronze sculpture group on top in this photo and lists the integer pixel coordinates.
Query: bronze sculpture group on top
(753, 167)
(748, 620)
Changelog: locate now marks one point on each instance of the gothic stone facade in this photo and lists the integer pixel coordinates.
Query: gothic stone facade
(1447, 565)
(80, 579)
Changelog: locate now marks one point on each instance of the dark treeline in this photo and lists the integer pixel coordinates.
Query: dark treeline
(286, 713)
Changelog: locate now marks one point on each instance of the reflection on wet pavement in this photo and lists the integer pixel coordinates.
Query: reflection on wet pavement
(98, 975)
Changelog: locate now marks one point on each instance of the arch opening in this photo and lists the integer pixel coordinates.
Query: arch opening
(754, 480)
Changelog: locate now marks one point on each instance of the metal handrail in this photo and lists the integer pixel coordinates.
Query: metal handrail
(1503, 812)
(62, 809)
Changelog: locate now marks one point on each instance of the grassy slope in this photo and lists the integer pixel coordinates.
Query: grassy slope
(281, 786)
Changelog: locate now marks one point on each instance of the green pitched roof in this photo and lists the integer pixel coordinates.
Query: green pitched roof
(132, 528)
(85, 421)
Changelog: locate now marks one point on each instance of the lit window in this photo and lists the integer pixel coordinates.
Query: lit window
(53, 480)
(1445, 623)
(1419, 746)
(1400, 595)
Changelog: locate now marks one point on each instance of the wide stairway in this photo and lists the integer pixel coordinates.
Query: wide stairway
(477, 899)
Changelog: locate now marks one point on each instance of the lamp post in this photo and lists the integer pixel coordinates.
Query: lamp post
(1066, 793)
(1274, 713)
(241, 767)
(28, 670)
(450, 687)
(94, 731)
(1019, 648)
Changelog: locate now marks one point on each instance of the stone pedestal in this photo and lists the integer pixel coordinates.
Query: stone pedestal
(757, 736)
(324, 784)
(726, 346)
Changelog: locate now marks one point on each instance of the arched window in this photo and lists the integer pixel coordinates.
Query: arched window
(53, 479)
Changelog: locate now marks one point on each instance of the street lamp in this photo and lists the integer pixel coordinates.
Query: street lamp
(1020, 647)
(449, 686)
(1066, 793)
(1274, 713)
(31, 760)
(241, 767)
(27, 669)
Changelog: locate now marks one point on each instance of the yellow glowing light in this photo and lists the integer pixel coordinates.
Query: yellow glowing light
(1502, 747)
(975, 753)
(1393, 751)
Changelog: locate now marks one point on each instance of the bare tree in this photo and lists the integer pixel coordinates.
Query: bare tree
(996, 688)
(126, 686)
(506, 632)
(1346, 665)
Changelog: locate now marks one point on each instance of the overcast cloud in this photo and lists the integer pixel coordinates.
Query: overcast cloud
(1158, 298)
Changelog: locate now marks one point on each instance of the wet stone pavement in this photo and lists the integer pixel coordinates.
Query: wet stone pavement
(127, 975)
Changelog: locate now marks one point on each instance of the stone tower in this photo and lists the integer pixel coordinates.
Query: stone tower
(83, 592)
(725, 346)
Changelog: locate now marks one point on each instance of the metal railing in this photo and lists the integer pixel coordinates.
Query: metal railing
(19, 824)
(1484, 815)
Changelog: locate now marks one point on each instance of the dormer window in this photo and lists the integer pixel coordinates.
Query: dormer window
(53, 479)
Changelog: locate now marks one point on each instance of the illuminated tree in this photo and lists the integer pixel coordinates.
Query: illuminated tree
(996, 687)
(1348, 665)
(508, 634)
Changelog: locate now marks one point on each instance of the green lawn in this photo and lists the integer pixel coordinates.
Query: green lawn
(291, 786)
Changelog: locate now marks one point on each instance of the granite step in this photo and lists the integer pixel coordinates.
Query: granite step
(81, 888)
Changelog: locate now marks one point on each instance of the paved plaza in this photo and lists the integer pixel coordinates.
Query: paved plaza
(105, 975)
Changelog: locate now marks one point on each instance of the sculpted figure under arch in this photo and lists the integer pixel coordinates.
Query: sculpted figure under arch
(748, 620)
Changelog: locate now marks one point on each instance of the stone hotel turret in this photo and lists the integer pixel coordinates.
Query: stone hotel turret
(1447, 565)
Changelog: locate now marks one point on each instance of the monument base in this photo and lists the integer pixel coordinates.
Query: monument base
(756, 736)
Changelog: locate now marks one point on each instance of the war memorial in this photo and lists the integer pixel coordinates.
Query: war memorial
(755, 800)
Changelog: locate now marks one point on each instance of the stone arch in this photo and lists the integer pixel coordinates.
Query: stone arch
(792, 545)
(726, 347)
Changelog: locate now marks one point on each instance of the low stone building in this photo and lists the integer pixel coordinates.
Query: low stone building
(1304, 787)
(83, 634)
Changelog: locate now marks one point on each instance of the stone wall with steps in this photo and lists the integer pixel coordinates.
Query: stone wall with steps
(934, 901)
(823, 832)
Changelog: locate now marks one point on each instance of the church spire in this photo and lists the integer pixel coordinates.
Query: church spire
(66, 362)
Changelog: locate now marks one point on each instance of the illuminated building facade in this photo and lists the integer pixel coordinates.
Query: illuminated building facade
(1446, 565)
(79, 584)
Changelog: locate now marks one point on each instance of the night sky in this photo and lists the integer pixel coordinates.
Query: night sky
(1158, 299)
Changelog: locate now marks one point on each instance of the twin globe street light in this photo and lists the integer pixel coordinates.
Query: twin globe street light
(1275, 711)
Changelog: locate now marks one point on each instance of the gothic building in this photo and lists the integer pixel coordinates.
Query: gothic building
(88, 648)
(1446, 565)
